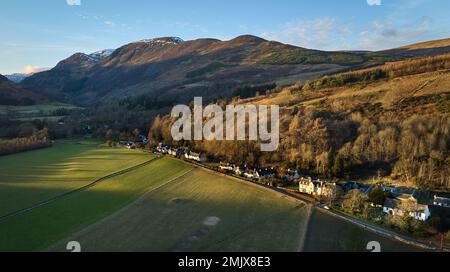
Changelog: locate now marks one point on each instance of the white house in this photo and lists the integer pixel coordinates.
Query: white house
(130, 145)
(239, 170)
(198, 157)
(226, 167)
(250, 174)
(173, 152)
(396, 207)
(317, 188)
(306, 186)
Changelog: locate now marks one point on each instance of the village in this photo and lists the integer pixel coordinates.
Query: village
(349, 197)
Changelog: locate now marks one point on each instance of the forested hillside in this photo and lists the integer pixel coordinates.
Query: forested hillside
(391, 121)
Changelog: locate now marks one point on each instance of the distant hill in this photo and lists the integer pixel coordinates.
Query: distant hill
(168, 70)
(18, 77)
(14, 95)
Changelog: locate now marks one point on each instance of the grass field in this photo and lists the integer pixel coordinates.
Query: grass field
(329, 234)
(33, 112)
(45, 225)
(201, 211)
(164, 205)
(30, 177)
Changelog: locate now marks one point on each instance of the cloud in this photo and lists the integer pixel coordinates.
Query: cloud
(323, 33)
(389, 34)
(109, 23)
(74, 2)
(9, 53)
(32, 69)
(374, 2)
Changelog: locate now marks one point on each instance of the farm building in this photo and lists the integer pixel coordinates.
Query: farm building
(402, 203)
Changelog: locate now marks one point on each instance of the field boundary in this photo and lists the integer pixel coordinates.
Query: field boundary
(303, 235)
(121, 210)
(83, 188)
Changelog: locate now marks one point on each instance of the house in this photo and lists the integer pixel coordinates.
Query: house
(182, 151)
(226, 167)
(239, 170)
(400, 190)
(291, 175)
(130, 145)
(441, 201)
(162, 149)
(250, 174)
(353, 185)
(173, 152)
(397, 206)
(306, 186)
(123, 143)
(198, 157)
(317, 188)
(326, 189)
(265, 173)
(389, 189)
(141, 139)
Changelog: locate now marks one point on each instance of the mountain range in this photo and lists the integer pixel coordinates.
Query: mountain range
(14, 95)
(170, 70)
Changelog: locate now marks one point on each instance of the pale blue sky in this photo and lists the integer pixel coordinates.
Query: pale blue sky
(40, 33)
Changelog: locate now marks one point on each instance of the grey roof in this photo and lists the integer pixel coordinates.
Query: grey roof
(395, 203)
(266, 171)
(442, 200)
(391, 203)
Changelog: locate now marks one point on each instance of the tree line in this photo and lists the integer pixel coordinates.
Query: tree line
(387, 71)
(334, 145)
(38, 139)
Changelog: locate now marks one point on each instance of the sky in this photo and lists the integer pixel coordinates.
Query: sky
(38, 34)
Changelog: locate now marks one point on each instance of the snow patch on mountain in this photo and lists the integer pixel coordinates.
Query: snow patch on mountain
(100, 55)
(19, 77)
(162, 41)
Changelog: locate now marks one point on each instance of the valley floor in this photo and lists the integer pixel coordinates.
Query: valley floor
(165, 205)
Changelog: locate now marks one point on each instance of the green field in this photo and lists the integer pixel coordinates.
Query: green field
(329, 234)
(43, 226)
(40, 111)
(162, 205)
(31, 177)
(201, 211)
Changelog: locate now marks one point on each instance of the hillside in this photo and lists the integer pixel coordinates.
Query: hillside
(396, 126)
(13, 95)
(169, 68)
(420, 49)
